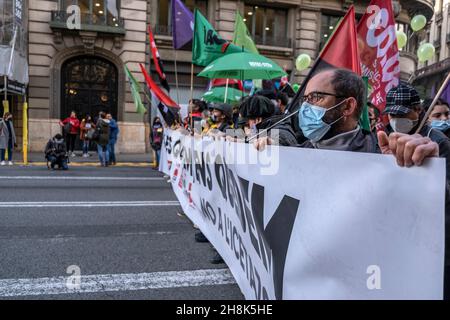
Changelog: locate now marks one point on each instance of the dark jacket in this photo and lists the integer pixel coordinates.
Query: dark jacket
(286, 135)
(103, 130)
(444, 152)
(157, 136)
(357, 141)
(56, 148)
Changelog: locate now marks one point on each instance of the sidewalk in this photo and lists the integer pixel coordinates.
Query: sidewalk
(37, 159)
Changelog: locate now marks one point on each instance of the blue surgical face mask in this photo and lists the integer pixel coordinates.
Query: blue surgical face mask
(442, 125)
(310, 121)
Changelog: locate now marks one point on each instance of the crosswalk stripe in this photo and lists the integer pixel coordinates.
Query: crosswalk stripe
(87, 204)
(80, 178)
(114, 282)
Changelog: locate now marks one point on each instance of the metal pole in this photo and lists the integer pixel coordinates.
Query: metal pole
(269, 128)
(176, 77)
(192, 95)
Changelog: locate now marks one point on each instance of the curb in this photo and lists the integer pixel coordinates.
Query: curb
(88, 164)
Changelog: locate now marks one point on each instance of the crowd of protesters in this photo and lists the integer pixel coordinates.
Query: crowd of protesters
(327, 116)
(102, 132)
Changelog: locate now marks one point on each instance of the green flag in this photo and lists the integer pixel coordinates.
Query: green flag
(135, 91)
(242, 37)
(207, 44)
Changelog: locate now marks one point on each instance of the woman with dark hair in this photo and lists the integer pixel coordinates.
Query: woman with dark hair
(7, 138)
(86, 125)
(156, 136)
(71, 126)
(102, 140)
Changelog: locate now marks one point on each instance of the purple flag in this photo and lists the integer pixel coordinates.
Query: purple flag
(445, 94)
(182, 24)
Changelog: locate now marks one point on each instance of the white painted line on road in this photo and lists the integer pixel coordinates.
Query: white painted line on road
(87, 204)
(81, 178)
(115, 282)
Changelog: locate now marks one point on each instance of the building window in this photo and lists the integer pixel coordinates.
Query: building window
(268, 26)
(103, 10)
(328, 24)
(164, 18)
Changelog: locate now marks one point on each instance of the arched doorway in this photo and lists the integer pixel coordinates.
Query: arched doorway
(89, 85)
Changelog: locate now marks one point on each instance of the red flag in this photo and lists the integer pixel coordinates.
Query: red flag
(234, 83)
(377, 42)
(157, 60)
(162, 96)
(341, 51)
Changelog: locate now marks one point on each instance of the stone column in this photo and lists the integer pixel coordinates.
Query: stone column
(307, 36)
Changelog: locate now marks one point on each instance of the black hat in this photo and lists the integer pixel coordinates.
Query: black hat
(225, 108)
(401, 100)
(257, 106)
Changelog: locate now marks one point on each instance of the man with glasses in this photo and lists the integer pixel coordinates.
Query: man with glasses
(329, 116)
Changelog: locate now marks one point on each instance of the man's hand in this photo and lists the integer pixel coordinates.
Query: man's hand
(261, 143)
(408, 149)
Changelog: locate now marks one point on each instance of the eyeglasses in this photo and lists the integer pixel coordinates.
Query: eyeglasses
(317, 96)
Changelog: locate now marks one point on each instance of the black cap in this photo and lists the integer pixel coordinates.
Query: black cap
(257, 106)
(225, 108)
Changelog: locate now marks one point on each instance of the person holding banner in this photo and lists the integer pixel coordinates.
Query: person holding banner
(404, 108)
(221, 117)
(258, 112)
(329, 116)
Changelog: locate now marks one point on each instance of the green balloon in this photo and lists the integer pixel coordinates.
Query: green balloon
(295, 86)
(402, 39)
(303, 61)
(418, 22)
(426, 52)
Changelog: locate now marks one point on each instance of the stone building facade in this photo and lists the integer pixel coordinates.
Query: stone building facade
(83, 70)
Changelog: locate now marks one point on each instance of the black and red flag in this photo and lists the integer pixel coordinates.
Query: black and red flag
(157, 60)
(169, 109)
(341, 51)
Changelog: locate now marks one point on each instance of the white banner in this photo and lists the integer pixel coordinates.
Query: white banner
(296, 223)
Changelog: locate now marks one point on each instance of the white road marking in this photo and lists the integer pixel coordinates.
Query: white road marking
(115, 282)
(80, 178)
(86, 204)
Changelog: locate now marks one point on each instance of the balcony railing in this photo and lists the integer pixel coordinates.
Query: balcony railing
(273, 41)
(89, 22)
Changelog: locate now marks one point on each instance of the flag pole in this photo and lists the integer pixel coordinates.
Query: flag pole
(436, 98)
(176, 76)
(226, 92)
(192, 94)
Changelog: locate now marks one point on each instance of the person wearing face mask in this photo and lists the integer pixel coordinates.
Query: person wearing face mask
(405, 113)
(329, 115)
(258, 112)
(156, 137)
(439, 118)
(7, 138)
(221, 117)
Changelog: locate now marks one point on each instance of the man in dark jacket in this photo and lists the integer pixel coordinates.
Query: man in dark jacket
(56, 152)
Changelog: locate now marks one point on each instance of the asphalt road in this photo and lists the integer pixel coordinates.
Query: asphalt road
(116, 229)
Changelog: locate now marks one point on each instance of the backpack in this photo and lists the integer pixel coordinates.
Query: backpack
(157, 136)
(67, 127)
